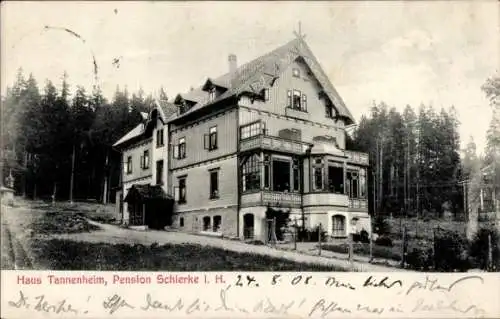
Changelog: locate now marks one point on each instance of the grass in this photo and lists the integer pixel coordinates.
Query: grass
(55, 222)
(59, 254)
(425, 227)
(391, 253)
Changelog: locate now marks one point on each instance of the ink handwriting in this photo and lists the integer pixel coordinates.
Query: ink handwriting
(433, 284)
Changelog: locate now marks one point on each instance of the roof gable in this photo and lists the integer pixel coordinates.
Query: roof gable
(254, 76)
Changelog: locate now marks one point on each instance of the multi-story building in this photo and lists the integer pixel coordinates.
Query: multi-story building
(267, 134)
(144, 162)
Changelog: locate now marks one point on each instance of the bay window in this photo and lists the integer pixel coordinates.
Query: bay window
(251, 173)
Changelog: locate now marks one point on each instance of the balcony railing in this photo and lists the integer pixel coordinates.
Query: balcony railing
(273, 143)
(325, 199)
(272, 198)
(357, 158)
(355, 203)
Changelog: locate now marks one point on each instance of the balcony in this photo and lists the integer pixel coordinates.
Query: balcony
(357, 158)
(271, 198)
(358, 204)
(325, 199)
(298, 114)
(267, 142)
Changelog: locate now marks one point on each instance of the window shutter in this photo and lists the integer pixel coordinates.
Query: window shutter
(206, 141)
(304, 102)
(142, 161)
(176, 151)
(176, 193)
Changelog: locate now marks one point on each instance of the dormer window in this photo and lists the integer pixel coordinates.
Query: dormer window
(212, 94)
(330, 110)
(265, 94)
(183, 105)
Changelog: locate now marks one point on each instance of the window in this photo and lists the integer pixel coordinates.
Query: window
(338, 225)
(145, 160)
(296, 100)
(296, 174)
(251, 173)
(214, 184)
(266, 94)
(352, 186)
(129, 165)
(252, 129)
(159, 172)
(217, 223)
(180, 191)
(296, 73)
(181, 222)
(329, 110)
(318, 178)
(336, 179)
(210, 139)
(281, 175)
(180, 149)
(212, 94)
(267, 171)
(159, 138)
(318, 174)
(206, 223)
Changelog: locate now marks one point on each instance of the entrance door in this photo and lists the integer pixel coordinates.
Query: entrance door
(248, 226)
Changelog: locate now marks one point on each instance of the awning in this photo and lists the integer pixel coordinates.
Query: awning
(147, 193)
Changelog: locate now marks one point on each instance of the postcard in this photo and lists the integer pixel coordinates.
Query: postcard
(250, 159)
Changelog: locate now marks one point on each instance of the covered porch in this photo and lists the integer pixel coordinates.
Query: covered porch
(149, 207)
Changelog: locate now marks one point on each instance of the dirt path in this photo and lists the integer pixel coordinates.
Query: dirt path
(15, 236)
(114, 234)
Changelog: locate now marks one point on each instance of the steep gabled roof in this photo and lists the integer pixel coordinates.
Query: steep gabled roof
(166, 110)
(135, 132)
(262, 72)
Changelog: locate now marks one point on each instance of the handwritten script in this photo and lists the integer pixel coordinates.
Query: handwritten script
(373, 296)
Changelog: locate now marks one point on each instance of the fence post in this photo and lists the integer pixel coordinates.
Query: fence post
(351, 247)
(295, 235)
(490, 255)
(434, 248)
(319, 239)
(403, 248)
(275, 239)
(371, 240)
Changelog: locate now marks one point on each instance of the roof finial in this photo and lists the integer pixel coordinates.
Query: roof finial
(299, 34)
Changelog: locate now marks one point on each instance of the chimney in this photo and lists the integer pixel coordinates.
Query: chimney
(232, 65)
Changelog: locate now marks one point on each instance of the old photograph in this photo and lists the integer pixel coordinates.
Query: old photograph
(244, 136)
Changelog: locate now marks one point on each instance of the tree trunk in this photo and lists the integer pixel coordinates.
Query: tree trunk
(72, 178)
(54, 193)
(105, 190)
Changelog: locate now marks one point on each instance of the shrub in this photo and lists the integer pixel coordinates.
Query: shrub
(420, 259)
(311, 235)
(479, 249)
(451, 251)
(384, 241)
(364, 237)
(381, 225)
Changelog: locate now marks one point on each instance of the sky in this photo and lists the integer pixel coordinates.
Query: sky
(437, 53)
